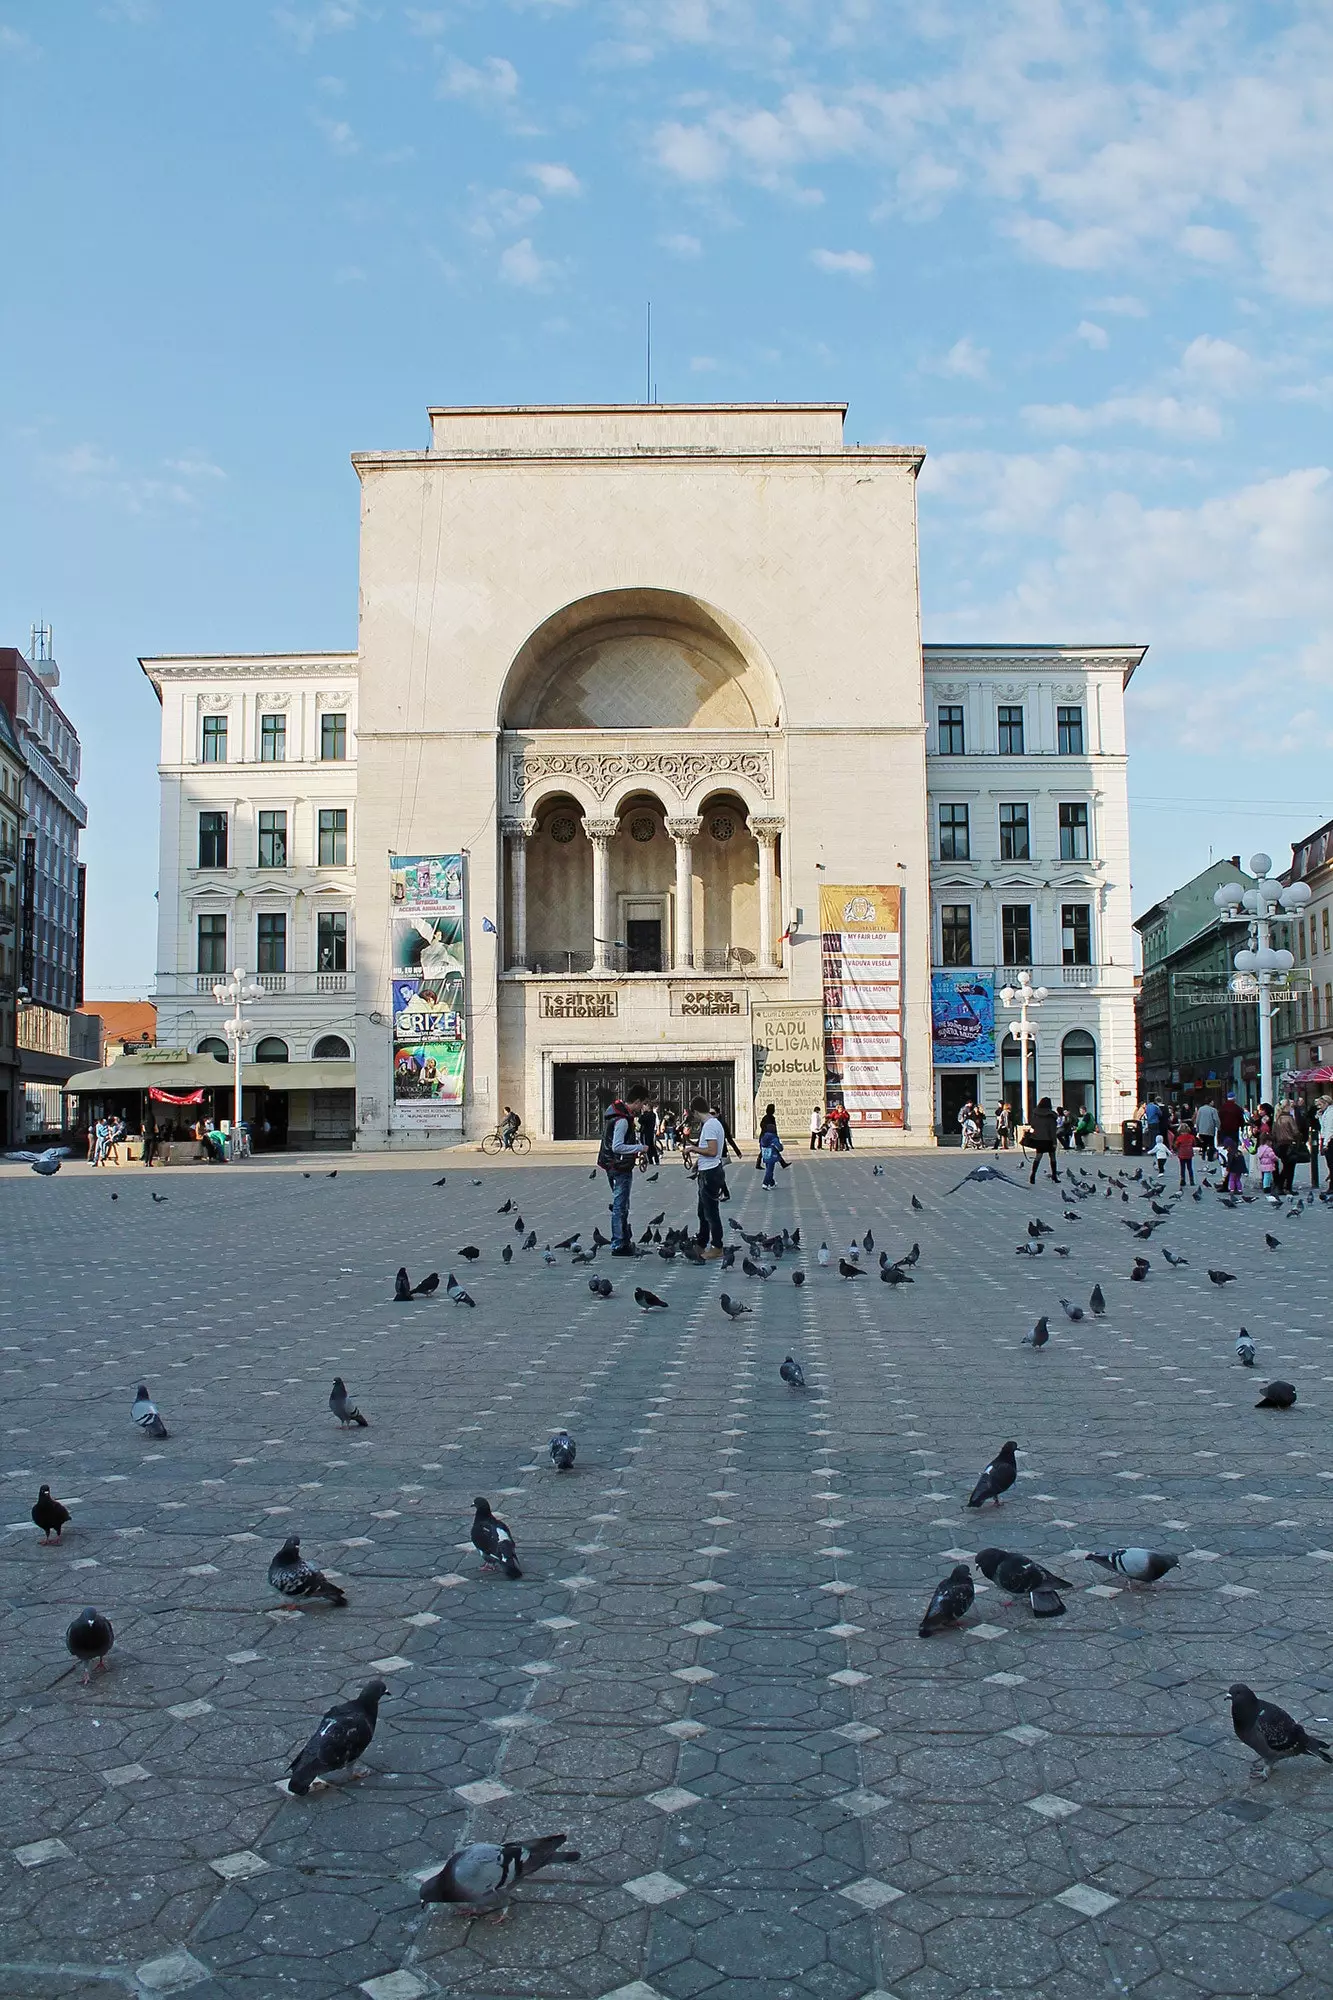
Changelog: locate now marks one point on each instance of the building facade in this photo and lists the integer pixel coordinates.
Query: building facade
(258, 777)
(1307, 1040)
(12, 775)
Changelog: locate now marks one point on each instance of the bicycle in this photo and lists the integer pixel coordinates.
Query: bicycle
(494, 1142)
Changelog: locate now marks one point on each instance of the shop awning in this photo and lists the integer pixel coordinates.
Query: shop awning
(134, 1073)
(1322, 1075)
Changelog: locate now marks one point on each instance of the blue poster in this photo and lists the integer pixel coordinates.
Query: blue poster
(962, 1009)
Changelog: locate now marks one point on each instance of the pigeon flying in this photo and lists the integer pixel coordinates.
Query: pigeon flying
(493, 1538)
(792, 1373)
(342, 1737)
(950, 1604)
(144, 1412)
(49, 1515)
(90, 1638)
(998, 1477)
(1139, 1565)
(1277, 1396)
(347, 1413)
(563, 1451)
(1263, 1727)
(482, 1873)
(294, 1578)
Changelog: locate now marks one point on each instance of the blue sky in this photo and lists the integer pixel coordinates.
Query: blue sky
(1083, 253)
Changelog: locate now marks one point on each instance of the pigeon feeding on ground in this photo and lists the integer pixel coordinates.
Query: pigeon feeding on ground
(951, 1602)
(1039, 1335)
(846, 1270)
(733, 1307)
(346, 1412)
(145, 1414)
(792, 1373)
(1245, 1349)
(1220, 1278)
(798, 1279)
(998, 1477)
(1277, 1396)
(1040, 1229)
(764, 1270)
(428, 1285)
(1018, 1575)
(455, 1291)
(1273, 1242)
(508, 1208)
(1138, 1565)
(891, 1274)
(1097, 1302)
(1140, 1272)
(1072, 1312)
(495, 1541)
(601, 1286)
(507, 1254)
(1270, 1732)
(563, 1451)
(1176, 1263)
(482, 1873)
(469, 1253)
(648, 1301)
(293, 1578)
(342, 1737)
(49, 1515)
(90, 1638)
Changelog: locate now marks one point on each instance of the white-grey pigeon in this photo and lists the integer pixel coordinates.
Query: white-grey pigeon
(145, 1414)
(1270, 1732)
(342, 1737)
(563, 1451)
(1138, 1565)
(483, 1873)
(1245, 1349)
(45, 1163)
(822, 1256)
(456, 1292)
(344, 1409)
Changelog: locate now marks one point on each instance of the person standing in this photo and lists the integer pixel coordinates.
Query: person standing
(1326, 1134)
(648, 1135)
(1183, 1148)
(708, 1150)
(1205, 1129)
(618, 1156)
(1004, 1125)
(816, 1128)
(1043, 1139)
(1286, 1144)
(149, 1135)
(770, 1145)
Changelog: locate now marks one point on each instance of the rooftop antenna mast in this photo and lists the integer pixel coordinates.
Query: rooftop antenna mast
(650, 352)
(39, 643)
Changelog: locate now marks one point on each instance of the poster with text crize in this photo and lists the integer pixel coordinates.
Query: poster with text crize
(861, 930)
(429, 990)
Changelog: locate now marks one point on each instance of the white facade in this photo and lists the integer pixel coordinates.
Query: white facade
(258, 776)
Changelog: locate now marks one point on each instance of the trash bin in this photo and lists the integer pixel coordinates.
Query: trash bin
(1131, 1136)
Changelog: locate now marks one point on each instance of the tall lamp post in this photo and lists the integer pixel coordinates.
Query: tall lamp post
(1257, 907)
(235, 993)
(1024, 997)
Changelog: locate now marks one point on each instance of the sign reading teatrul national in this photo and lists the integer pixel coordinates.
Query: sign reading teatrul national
(861, 928)
(598, 1003)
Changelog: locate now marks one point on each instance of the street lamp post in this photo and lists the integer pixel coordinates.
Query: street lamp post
(235, 993)
(1024, 997)
(1257, 908)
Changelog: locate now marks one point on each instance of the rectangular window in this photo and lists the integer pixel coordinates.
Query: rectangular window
(1314, 1002)
(1016, 933)
(212, 840)
(1069, 731)
(333, 738)
(213, 944)
(1015, 834)
(272, 941)
(333, 836)
(1074, 833)
(331, 941)
(215, 739)
(1324, 928)
(949, 729)
(272, 739)
(1011, 732)
(955, 841)
(1300, 935)
(1076, 934)
(956, 934)
(273, 840)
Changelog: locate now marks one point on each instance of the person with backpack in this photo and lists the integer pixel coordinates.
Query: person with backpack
(618, 1156)
(770, 1146)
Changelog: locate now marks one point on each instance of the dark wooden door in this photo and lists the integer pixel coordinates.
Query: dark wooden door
(582, 1091)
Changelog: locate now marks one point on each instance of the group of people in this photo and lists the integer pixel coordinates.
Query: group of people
(632, 1138)
(104, 1141)
(1072, 1128)
(1274, 1143)
(831, 1126)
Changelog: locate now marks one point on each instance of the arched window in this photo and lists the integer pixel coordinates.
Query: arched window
(272, 1049)
(1011, 1074)
(331, 1048)
(1078, 1071)
(213, 1045)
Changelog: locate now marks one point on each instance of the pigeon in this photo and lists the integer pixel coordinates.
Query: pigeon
(654, 1221)
(822, 1256)
(569, 1241)
(563, 1451)
(1273, 1242)
(493, 1538)
(1139, 1565)
(977, 1174)
(1070, 1216)
(792, 1373)
(1046, 1602)
(508, 1208)
(469, 1253)
(1060, 1249)
(347, 1413)
(402, 1287)
(998, 1477)
(441, 1181)
(48, 1514)
(1245, 1349)
(144, 1412)
(1040, 1229)
(912, 1258)
(798, 1279)
(1220, 1278)
(455, 1291)
(1176, 1263)
(341, 1738)
(846, 1270)
(1277, 1396)
(733, 1307)
(48, 1163)
(876, 1173)
(1039, 1335)
(648, 1301)
(519, 1225)
(1097, 1302)
(161, 1199)
(1074, 1313)
(294, 1578)
(1267, 1730)
(507, 1254)
(867, 1242)
(602, 1286)
(1030, 1250)
(90, 1638)
(1016, 1575)
(428, 1285)
(728, 1258)
(482, 1873)
(951, 1602)
(549, 1256)
(529, 1242)
(753, 1270)
(1140, 1272)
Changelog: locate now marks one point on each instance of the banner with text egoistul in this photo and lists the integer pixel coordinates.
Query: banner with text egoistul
(861, 930)
(429, 978)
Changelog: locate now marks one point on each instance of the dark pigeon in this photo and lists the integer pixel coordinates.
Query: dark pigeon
(1018, 1575)
(48, 1514)
(977, 1174)
(1277, 1396)
(293, 1578)
(648, 1301)
(90, 1638)
(1220, 1278)
(428, 1285)
(1097, 1302)
(469, 1253)
(493, 1538)
(343, 1736)
(563, 1451)
(792, 1373)
(402, 1286)
(1039, 1335)
(951, 1602)
(998, 1477)
(1270, 1732)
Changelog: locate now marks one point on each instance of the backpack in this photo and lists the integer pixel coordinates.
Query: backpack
(607, 1160)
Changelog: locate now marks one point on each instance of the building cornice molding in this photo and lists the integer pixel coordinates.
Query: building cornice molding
(698, 458)
(602, 771)
(248, 667)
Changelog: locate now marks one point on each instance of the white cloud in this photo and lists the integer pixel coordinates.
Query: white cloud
(86, 473)
(1217, 365)
(1123, 304)
(494, 83)
(520, 265)
(554, 179)
(305, 25)
(339, 134)
(681, 245)
(500, 211)
(848, 263)
(1094, 335)
(964, 359)
(1207, 245)
(690, 153)
(1166, 415)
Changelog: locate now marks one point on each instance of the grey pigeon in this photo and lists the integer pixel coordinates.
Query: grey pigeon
(563, 1451)
(456, 1292)
(48, 1514)
(48, 1163)
(1097, 1302)
(1039, 1335)
(1270, 1732)
(977, 1174)
(1139, 1565)
(1220, 1278)
(997, 1478)
(792, 1373)
(1245, 1349)
(733, 1307)
(144, 1412)
(293, 1578)
(1040, 1229)
(529, 1241)
(600, 1287)
(1030, 1250)
(891, 1274)
(648, 1301)
(494, 1540)
(90, 1638)
(1277, 1396)
(346, 1412)
(483, 1873)
(1176, 1263)
(753, 1270)
(342, 1737)
(951, 1602)
(1072, 1312)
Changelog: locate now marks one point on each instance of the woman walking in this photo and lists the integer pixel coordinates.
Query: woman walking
(1043, 1139)
(770, 1145)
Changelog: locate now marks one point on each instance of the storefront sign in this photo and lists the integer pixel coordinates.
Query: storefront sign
(593, 1004)
(788, 1041)
(710, 1000)
(962, 1011)
(429, 977)
(861, 928)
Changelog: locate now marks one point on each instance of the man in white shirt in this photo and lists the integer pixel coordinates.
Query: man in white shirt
(709, 1150)
(1326, 1134)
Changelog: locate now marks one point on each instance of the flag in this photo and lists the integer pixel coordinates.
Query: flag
(487, 925)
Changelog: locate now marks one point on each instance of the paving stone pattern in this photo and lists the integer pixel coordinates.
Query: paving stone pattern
(710, 1675)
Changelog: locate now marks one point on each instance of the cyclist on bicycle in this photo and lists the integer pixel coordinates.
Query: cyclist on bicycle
(512, 1121)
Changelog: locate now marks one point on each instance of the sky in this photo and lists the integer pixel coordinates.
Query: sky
(1082, 253)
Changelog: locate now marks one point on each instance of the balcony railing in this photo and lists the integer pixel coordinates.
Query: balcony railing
(177, 985)
(1059, 975)
(568, 963)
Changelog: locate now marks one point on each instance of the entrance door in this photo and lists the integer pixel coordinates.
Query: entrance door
(582, 1091)
(957, 1088)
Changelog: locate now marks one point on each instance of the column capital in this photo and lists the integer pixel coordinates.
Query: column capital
(518, 829)
(599, 830)
(766, 827)
(684, 827)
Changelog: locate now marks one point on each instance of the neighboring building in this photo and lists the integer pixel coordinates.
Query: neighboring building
(12, 775)
(124, 1026)
(1307, 1041)
(53, 1047)
(258, 788)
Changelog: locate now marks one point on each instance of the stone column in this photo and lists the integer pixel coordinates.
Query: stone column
(684, 831)
(518, 832)
(766, 831)
(601, 832)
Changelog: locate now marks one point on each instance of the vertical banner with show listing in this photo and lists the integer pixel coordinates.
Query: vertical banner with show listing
(429, 974)
(861, 928)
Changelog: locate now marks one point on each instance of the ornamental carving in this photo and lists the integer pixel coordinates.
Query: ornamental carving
(268, 701)
(325, 699)
(601, 771)
(949, 690)
(215, 701)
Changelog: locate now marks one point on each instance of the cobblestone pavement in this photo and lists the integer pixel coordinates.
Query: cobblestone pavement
(710, 1675)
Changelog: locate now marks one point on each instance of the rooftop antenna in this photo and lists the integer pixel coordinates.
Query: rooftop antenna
(650, 351)
(39, 643)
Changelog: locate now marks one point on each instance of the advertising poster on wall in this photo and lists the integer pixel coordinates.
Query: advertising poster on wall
(429, 990)
(962, 1014)
(788, 1040)
(861, 927)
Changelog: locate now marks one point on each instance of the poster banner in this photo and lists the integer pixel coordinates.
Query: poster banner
(861, 928)
(429, 990)
(788, 1042)
(962, 1013)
